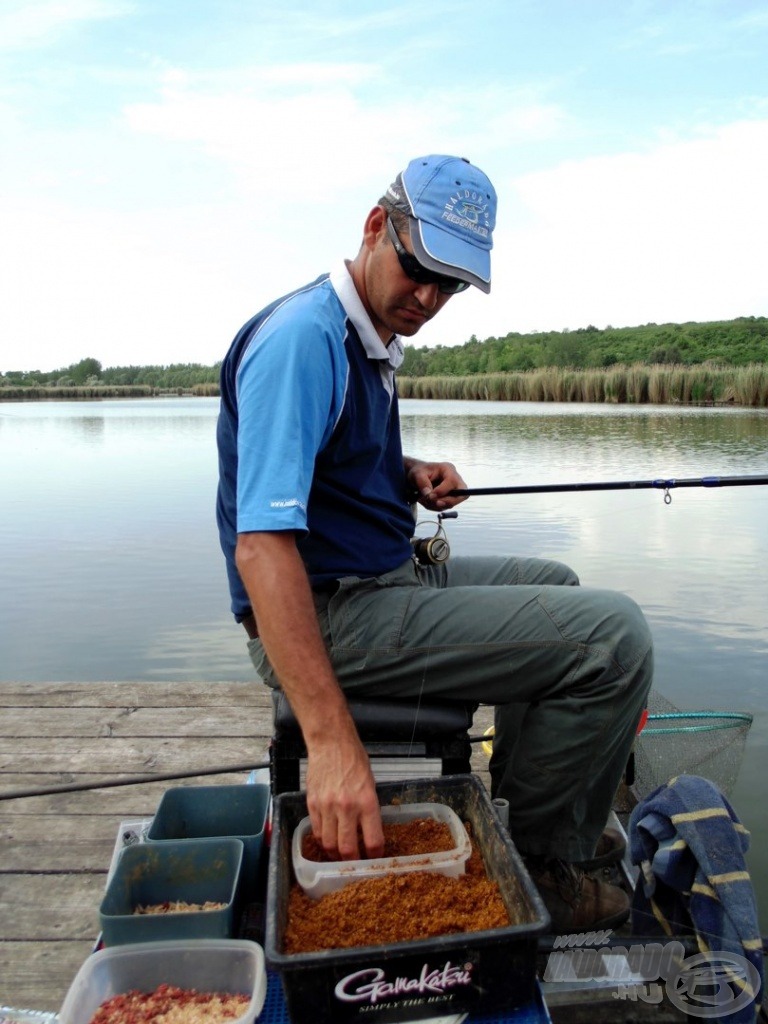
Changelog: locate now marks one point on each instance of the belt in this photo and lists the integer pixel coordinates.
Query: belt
(249, 621)
(326, 587)
(249, 624)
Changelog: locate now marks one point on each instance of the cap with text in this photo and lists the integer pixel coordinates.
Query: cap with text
(452, 206)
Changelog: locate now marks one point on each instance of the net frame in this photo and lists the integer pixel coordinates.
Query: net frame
(674, 742)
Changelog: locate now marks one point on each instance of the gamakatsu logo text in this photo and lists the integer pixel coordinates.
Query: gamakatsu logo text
(371, 985)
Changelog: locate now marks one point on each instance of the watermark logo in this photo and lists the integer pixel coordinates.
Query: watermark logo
(582, 939)
(705, 985)
(713, 985)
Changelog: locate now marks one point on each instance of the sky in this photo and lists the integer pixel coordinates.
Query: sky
(168, 167)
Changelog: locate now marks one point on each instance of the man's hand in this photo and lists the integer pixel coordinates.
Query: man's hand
(342, 799)
(433, 481)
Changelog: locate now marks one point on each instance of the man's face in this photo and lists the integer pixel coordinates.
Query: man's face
(395, 303)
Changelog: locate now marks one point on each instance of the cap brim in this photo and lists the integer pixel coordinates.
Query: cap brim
(444, 253)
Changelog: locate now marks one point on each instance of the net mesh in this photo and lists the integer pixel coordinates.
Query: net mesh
(705, 743)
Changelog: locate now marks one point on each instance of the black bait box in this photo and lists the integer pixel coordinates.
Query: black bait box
(471, 972)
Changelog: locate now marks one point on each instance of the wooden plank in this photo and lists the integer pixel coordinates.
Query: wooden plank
(119, 756)
(36, 975)
(34, 828)
(132, 694)
(40, 724)
(127, 801)
(51, 906)
(82, 842)
(75, 856)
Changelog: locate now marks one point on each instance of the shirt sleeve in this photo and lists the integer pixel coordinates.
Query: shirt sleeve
(289, 386)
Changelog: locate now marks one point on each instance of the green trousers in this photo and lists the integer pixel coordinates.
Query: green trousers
(567, 668)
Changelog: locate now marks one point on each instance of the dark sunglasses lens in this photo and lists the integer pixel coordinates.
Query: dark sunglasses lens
(413, 269)
(451, 285)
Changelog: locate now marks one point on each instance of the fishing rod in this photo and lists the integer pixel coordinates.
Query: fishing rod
(130, 780)
(665, 484)
(142, 780)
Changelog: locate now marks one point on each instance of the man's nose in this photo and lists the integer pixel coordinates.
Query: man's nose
(427, 295)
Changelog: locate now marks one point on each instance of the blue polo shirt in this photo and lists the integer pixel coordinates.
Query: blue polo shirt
(309, 436)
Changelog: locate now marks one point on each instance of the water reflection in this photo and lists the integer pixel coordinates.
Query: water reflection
(549, 446)
(121, 528)
(111, 567)
(695, 553)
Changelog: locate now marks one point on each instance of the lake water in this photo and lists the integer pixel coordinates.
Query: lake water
(111, 568)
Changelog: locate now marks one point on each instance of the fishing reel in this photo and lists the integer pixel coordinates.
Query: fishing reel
(434, 550)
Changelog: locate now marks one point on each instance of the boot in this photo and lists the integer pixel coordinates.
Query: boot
(576, 901)
(610, 849)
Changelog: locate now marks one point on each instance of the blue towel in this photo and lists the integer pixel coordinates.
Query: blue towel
(693, 878)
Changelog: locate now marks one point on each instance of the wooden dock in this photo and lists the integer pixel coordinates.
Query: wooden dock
(55, 850)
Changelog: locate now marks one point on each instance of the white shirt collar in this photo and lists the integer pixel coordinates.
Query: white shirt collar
(375, 348)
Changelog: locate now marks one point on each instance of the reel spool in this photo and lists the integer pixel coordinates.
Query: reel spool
(434, 550)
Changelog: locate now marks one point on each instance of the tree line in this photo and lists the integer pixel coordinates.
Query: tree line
(739, 342)
(90, 373)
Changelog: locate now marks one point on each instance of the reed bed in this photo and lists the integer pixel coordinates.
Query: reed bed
(35, 393)
(77, 393)
(638, 384)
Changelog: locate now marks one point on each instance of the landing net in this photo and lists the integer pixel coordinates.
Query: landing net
(705, 743)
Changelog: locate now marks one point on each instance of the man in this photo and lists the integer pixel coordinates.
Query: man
(316, 526)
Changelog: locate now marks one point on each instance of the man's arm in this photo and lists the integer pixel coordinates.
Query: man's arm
(432, 481)
(341, 791)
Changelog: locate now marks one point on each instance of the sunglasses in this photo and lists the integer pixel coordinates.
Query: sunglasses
(413, 269)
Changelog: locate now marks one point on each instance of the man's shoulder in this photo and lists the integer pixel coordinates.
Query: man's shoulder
(314, 303)
(312, 296)
(309, 311)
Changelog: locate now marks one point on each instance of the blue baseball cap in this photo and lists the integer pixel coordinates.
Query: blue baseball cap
(452, 210)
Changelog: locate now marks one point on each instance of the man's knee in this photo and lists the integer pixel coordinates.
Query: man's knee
(634, 643)
(616, 629)
(545, 572)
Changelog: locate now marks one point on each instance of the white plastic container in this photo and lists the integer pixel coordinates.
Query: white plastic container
(235, 966)
(317, 879)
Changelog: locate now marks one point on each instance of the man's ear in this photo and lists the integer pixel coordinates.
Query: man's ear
(375, 227)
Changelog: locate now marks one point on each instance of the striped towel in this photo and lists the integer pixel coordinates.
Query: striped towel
(693, 878)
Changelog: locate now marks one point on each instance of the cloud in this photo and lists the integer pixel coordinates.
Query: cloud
(426, 25)
(161, 286)
(25, 25)
(272, 138)
(670, 234)
(756, 19)
(156, 203)
(326, 132)
(190, 211)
